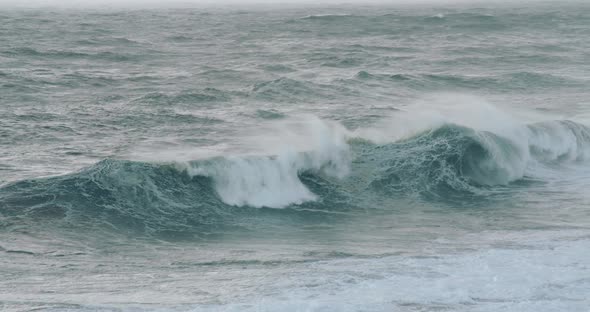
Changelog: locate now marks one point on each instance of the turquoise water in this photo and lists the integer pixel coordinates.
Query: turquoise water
(350, 158)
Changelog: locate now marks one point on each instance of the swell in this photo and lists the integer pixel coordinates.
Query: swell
(187, 97)
(292, 90)
(442, 21)
(329, 17)
(26, 52)
(448, 164)
(509, 82)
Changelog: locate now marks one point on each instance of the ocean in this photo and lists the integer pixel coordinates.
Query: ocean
(295, 158)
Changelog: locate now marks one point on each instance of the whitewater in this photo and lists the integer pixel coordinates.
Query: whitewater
(295, 158)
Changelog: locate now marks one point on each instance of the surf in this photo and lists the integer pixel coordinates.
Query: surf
(453, 151)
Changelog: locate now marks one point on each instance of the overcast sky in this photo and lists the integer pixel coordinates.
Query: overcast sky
(160, 3)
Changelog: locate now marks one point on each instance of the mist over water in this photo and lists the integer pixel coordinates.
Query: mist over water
(295, 158)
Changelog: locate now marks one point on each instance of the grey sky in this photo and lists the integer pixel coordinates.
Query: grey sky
(164, 3)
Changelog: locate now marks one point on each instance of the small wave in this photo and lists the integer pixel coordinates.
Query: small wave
(111, 56)
(278, 68)
(108, 40)
(368, 76)
(470, 16)
(327, 17)
(269, 114)
(186, 97)
(181, 38)
(343, 62)
(520, 80)
(460, 18)
(285, 89)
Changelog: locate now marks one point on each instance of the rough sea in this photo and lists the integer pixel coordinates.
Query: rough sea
(296, 158)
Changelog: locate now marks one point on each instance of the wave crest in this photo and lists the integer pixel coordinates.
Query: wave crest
(314, 166)
(445, 160)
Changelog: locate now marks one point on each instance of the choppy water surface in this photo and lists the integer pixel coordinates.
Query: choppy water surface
(287, 159)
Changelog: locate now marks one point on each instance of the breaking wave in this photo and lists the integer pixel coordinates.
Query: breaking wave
(457, 153)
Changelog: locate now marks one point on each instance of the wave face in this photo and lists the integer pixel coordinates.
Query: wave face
(455, 159)
(448, 159)
(122, 195)
(443, 162)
